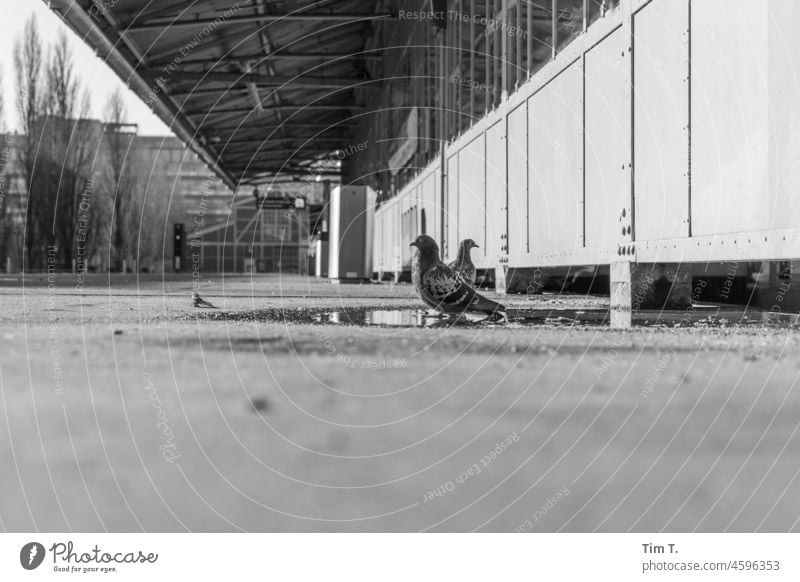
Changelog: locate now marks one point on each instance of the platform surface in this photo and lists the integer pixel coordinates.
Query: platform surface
(124, 411)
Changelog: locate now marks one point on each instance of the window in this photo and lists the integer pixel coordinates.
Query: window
(599, 8)
(569, 21)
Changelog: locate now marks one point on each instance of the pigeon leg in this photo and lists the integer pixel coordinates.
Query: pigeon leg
(435, 314)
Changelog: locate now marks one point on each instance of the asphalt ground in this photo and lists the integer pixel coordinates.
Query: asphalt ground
(298, 405)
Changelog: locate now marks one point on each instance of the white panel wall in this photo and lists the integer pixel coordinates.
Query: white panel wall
(534, 153)
(517, 184)
(472, 191)
(555, 126)
(729, 116)
(608, 131)
(661, 120)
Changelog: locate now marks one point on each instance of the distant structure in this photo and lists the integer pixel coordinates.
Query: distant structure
(269, 236)
(169, 172)
(185, 174)
(12, 183)
(225, 230)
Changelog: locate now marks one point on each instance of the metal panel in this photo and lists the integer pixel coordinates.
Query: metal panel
(451, 209)
(495, 226)
(730, 117)
(608, 134)
(383, 232)
(517, 184)
(661, 120)
(387, 241)
(784, 112)
(782, 243)
(472, 192)
(369, 234)
(408, 225)
(555, 122)
(437, 197)
(386, 252)
(395, 250)
(429, 206)
(377, 250)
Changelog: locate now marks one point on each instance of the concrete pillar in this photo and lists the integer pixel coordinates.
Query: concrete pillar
(500, 280)
(646, 286)
(621, 296)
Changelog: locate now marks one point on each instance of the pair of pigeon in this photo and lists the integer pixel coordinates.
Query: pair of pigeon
(449, 288)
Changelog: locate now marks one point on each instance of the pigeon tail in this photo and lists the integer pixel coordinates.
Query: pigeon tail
(487, 306)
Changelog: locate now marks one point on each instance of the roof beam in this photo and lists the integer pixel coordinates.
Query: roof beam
(240, 130)
(283, 178)
(296, 107)
(265, 141)
(221, 20)
(274, 56)
(154, 12)
(195, 92)
(279, 150)
(277, 153)
(262, 80)
(272, 167)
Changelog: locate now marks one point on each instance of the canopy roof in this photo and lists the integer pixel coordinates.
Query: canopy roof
(258, 88)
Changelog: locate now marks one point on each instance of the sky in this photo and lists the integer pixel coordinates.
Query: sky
(100, 79)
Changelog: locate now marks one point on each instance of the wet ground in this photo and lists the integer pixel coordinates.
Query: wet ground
(296, 405)
(702, 315)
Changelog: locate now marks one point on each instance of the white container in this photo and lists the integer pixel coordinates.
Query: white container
(352, 214)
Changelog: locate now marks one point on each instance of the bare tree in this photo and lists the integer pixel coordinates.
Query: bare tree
(28, 59)
(74, 148)
(122, 175)
(2, 101)
(11, 231)
(5, 152)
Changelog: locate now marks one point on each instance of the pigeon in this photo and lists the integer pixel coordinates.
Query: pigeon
(441, 287)
(463, 263)
(198, 301)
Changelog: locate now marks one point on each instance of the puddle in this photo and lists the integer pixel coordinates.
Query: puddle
(700, 317)
(397, 318)
(401, 317)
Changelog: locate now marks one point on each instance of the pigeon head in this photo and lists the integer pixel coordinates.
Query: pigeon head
(424, 242)
(426, 247)
(468, 244)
